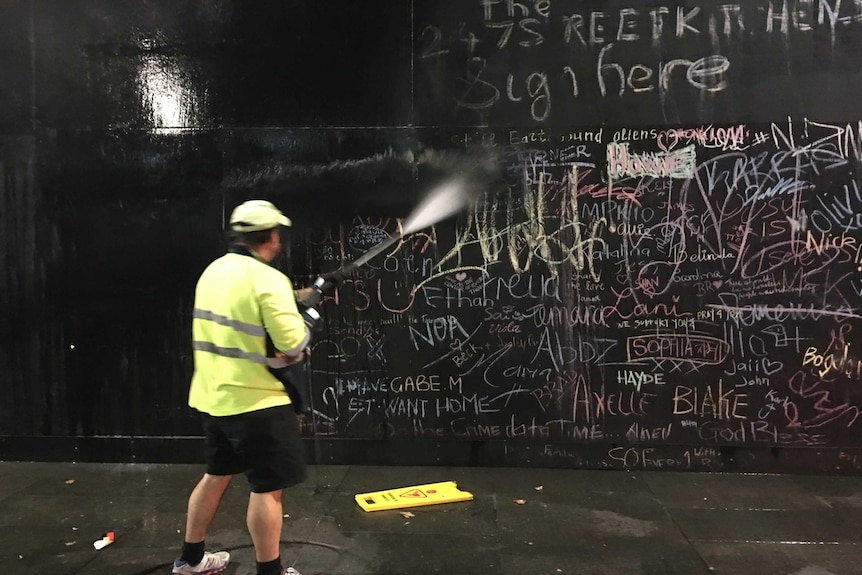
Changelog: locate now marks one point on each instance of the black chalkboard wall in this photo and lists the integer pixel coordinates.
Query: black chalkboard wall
(661, 269)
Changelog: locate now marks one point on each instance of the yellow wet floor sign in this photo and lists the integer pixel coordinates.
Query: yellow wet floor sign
(416, 496)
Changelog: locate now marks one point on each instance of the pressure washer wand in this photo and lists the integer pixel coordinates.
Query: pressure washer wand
(321, 285)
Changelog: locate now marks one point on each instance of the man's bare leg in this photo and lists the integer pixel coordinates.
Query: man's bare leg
(264, 519)
(203, 503)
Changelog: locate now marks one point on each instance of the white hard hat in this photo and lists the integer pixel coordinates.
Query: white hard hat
(256, 215)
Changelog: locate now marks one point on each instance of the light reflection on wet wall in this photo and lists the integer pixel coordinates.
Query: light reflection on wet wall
(170, 97)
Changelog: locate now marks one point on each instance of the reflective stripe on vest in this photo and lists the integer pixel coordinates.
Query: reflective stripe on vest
(240, 326)
(236, 353)
(231, 352)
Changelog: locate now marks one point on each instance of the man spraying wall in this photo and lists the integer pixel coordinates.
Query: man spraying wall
(247, 331)
(249, 424)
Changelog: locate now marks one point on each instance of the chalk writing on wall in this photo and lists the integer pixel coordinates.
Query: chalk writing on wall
(543, 61)
(585, 303)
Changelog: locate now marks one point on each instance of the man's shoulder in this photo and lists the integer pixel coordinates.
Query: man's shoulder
(222, 262)
(228, 266)
(261, 270)
(232, 265)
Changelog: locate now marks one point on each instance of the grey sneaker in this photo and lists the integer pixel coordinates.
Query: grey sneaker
(211, 564)
(289, 571)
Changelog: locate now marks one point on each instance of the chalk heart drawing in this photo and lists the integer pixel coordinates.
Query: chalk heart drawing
(461, 276)
(666, 145)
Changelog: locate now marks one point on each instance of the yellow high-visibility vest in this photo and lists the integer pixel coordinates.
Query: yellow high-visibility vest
(238, 300)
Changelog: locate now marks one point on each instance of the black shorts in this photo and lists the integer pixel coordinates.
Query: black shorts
(266, 445)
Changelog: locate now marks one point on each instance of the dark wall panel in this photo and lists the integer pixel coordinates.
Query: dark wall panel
(16, 61)
(660, 267)
(331, 63)
(143, 221)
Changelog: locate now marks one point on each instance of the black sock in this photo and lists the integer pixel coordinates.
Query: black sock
(270, 567)
(193, 553)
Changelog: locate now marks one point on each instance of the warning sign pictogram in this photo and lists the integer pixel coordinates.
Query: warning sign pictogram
(414, 493)
(429, 494)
